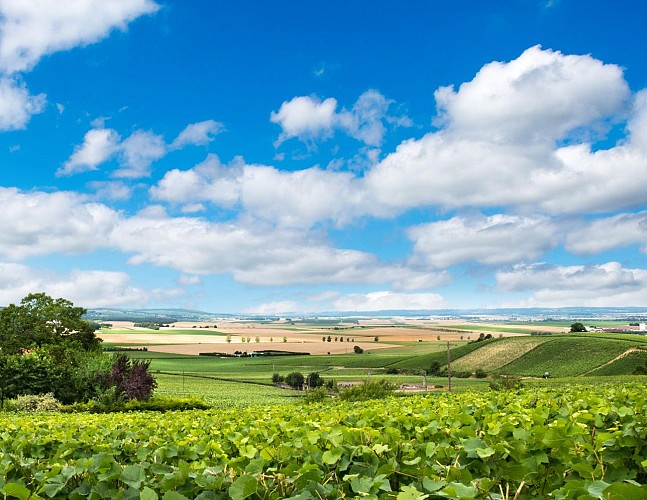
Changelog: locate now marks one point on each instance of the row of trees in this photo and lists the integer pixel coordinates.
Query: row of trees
(47, 347)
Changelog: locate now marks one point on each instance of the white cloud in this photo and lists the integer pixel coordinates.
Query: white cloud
(494, 240)
(208, 181)
(542, 95)
(297, 199)
(607, 233)
(311, 120)
(198, 134)
(278, 307)
(33, 29)
(99, 145)
(85, 288)
(41, 223)
(497, 145)
(17, 105)
(110, 190)
(264, 256)
(189, 279)
(385, 300)
(138, 152)
(598, 285)
(364, 121)
(305, 117)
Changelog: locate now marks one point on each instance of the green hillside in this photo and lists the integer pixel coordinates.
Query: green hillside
(561, 356)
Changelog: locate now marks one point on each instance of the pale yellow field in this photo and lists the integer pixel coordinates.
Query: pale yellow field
(300, 338)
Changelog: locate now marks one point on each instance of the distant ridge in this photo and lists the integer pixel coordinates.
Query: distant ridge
(521, 314)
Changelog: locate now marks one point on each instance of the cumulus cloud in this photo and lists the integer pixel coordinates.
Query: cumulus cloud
(110, 190)
(31, 30)
(385, 300)
(17, 105)
(607, 233)
(596, 285)
(494, 240)
(262, 256)
(42, 223)
(541, 95)
(198, 134)
(297, 199)
(138, 152)
(85, 288)
(497, 146)
(311, 120)
(98, 146)
(305, 117)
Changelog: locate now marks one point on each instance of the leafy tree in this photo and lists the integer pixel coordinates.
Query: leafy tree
(358, 349)
(40, 320)
(314, 380)
(434, 368)
(578, 327)
(295, 380)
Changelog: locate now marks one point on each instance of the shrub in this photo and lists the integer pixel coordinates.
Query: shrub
(316, 395)
(505, 383)
(295, 380)
(33, 403)
(161, 404)
(314, 380)
(480, 373)
(277, 379)
(358, 349)
(130, 378)
(370, 390)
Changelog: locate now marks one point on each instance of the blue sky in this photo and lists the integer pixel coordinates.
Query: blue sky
(295, 157)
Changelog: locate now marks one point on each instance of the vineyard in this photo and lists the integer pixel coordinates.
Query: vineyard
(564, 442)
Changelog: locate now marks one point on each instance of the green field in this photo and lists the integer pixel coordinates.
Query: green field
(580, 442)
(227, 382)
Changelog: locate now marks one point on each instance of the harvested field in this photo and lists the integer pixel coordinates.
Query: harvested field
(493, 356)
(196, 337)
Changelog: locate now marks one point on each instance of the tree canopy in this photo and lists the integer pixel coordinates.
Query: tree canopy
(39, 320)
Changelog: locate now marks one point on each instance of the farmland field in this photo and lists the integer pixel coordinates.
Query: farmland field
(566, 442)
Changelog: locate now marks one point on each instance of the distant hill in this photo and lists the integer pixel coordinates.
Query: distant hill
(536, 314)
(149, 315)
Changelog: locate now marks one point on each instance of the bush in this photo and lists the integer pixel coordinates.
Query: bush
(295, 380)
(33, 403)
(370, 390)
(314, 380)
(358, 349)
(505, 383)
(154, 404)
(277, 379)
(480, 373)
(316, 395)
(130, 378)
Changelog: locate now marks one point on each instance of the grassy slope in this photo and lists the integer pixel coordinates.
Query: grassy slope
(567, 356)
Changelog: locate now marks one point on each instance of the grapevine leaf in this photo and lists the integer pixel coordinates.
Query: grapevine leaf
(173, 495)
(133, 475)
(16, 490)
(411, 493)
(626, 491)
(148, 494)
(331, 456)
(243, 487)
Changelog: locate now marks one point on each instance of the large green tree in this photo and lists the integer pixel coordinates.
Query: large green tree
(39, 320)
